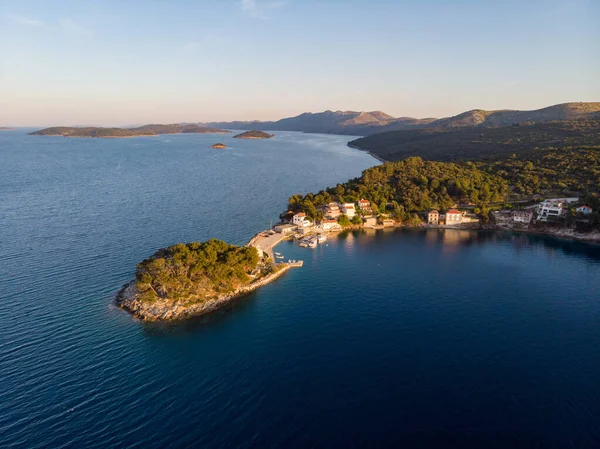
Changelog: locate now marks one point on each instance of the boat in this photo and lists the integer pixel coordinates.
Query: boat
(278, 254)
(312, 243)
(303, 244)
(279, 257)
(321, 238)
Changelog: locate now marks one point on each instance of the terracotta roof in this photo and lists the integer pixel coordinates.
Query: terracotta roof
(363, 201)
(326, 220)
(454, 211)
(433, 212)
(301, 214)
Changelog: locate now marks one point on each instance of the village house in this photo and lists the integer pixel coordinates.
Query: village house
(284, 228)
(364, 205)
(585, 210)
(300, 219)
(522, 216)
(329, 224)
(348, 209)
(454, 217)
(433, 217)
(550, 209)
(388, 222)
(370, 222)
(503, 218)
(332, 210)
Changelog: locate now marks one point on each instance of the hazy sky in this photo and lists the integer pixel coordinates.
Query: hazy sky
(128, 62)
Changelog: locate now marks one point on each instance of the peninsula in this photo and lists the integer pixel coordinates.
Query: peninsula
(253, 135)
(146, 130)
(191, 279)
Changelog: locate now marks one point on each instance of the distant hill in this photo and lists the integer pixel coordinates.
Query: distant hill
(253, 135)
(477, 142)
(479, 117)
(332, 122)
(367, 123)
(147, 130)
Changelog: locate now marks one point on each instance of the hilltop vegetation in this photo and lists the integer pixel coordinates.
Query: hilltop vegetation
(568, 169)
(476, 143)
(195, 272)
(411, 186)
(147, 130)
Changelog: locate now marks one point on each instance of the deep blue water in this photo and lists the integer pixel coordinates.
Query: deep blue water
(389, 339)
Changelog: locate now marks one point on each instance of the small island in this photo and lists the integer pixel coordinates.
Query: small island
(191, 279)
(253, 135)
(146, 130)
(219, 146)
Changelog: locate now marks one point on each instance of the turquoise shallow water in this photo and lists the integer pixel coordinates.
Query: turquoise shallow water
(420, 339)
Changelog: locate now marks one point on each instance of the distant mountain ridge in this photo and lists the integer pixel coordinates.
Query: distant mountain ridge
(366, 123)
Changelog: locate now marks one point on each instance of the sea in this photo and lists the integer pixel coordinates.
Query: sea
(383, 339)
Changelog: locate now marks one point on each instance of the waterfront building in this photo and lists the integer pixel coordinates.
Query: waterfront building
(284, 228)
(550, 209)
(454, 217)
(329, 224)
(370, 222)
(433, 217)
(522, 216)
(299, 219)
(388, 223)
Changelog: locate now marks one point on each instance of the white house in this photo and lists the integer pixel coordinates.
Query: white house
(329, 224)
(585, 210)
(550, 208)
(300, 219)
(364, 205)
(454, 217)
(348, 209)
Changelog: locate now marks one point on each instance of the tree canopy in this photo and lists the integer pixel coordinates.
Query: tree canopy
(195, 271)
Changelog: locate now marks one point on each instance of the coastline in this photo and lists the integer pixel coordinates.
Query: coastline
(383, 161)
(169, 310)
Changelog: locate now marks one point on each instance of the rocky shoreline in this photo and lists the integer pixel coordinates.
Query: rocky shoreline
(167, 309)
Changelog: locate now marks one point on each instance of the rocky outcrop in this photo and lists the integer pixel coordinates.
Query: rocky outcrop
(169, 309)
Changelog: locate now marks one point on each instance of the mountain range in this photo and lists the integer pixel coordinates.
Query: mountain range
(366, 123)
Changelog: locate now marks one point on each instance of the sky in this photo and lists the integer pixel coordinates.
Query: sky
(85, 62)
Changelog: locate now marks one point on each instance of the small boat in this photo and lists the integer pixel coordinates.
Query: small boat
(312, 244)
(278, 254)
(321, 238)
(303, 244)
(279, 257)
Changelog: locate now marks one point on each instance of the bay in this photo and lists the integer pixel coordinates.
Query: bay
(386, 339)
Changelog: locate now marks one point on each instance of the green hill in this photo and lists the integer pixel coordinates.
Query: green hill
(475, 142)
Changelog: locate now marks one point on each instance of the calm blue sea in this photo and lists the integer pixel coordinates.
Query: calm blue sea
(388, 339)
